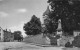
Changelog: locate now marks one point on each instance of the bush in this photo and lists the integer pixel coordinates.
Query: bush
(76, 41)
(53, 40)
(68, 44)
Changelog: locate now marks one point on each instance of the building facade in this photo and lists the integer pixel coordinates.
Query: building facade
(8, 36)
(1, 34)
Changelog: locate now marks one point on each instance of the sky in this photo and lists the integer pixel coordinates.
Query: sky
(14, 13)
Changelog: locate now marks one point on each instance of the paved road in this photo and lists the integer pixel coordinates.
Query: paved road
(24, 46)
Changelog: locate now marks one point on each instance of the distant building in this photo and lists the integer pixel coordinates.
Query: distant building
(8, 36)
(47, 11)
(1, 34)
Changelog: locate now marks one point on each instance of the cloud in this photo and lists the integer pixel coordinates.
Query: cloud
(1, 0)
(22, 10)
(19, 28)
(3, 14)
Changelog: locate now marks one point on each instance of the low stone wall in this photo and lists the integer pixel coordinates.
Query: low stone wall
(62, 41)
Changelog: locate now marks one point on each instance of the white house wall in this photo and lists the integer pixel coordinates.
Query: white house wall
(76, 33)
(2, 35)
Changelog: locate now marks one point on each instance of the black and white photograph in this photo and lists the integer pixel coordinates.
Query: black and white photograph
(39, 24)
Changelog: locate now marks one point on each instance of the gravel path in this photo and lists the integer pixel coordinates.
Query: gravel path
(24, 46)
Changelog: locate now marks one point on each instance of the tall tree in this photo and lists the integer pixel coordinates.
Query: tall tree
(66, 10)
(33, 27)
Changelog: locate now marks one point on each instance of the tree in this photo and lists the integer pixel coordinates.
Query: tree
(50, 23)
(66, 10)
(33, 27)
(17, 35)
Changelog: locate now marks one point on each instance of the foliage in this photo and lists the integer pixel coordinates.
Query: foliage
(76, 41)
(33, 27)
(17, 35)
(66, 10)
(68, 44)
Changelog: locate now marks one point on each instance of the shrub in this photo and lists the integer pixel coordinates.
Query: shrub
(76, 41)
(68, 44)
(53, 40)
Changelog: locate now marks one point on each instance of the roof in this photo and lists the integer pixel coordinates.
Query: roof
(47, 11)
(1, 28)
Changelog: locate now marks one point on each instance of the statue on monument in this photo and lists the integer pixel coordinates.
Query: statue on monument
(59, 29)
